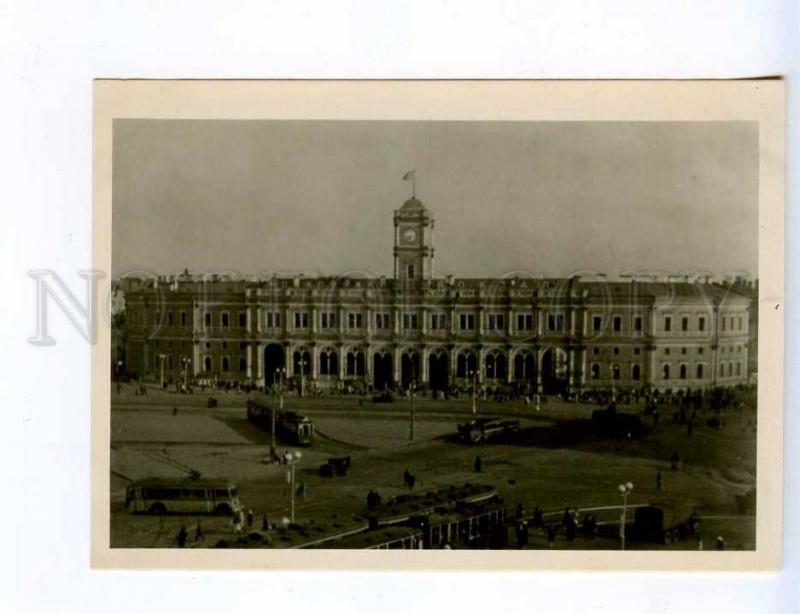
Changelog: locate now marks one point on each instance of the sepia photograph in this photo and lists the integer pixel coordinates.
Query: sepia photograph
(434, 335)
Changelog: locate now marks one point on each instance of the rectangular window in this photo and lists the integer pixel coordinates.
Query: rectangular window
(328, 319)
(740, 322)
(723, 323)
(410, 321)
(242, 319)
(169, 318)
(438, 321)
(597, 323)
(382, 321)
(270, 320)
(300, 319)
(496, 322)
(467, 321)
(617, 324)
(667, 324)
(183, 318)
(701, 323)
(410, 271)
(637, 324)
(207, 319)
(524, 321)
(555, 322)
(684, 324)
(224, 321)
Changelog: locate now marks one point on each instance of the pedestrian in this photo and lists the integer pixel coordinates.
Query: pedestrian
(658, 481)
(551, 536)
(198, 533)
(520, 511)
(720, 543)
(524, 533)
(181, 538)
(478, 464)
(174, 410)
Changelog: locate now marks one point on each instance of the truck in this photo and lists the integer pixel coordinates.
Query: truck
(662, 525)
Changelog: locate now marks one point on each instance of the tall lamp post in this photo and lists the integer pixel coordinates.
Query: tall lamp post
(474, 376)
(412, 417)
(624, 489)
(161, 359)
(292, 458)
(279, 373)
(303, 365)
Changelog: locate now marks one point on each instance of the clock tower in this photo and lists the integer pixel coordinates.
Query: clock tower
(413, 241)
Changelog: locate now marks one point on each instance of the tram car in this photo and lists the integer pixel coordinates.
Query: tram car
(486, 430)
(290, 427)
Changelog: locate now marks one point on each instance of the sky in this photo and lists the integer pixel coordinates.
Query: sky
(545, 198)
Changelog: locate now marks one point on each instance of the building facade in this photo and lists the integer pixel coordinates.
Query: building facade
(549, 335)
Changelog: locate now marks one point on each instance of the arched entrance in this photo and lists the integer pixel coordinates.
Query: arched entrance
(302, 362)
(274, 360)
(555, 373)
(524, 367)
(437, 370)
(466, 364)
(382, 370)
(495, 365)
(409, 369)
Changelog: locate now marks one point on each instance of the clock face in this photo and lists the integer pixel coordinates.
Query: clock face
(409, 235)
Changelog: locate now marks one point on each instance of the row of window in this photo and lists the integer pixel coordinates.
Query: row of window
(726, 323)
(725, 370)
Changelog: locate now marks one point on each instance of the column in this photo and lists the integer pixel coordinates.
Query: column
(582, 371)
(314, 361)
(396, 320)
(539, 321)
(510, 322)
(340, 319)
(396, 365)
(481, 328)
(342, 360)
(509, 365)
(249, 360)
(288, 351)
(368, 363)
(196, 364)
(249, 322)
(424, 321)
(451, 316)
(369, 321)
(452, 364)
(424, 365)
(538, 369)
(259, 376)
(314, 320)
(481, 364)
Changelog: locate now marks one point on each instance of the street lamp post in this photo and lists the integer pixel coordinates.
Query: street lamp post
(280, 374)
(162, 358)
(292, 458)
(303, 365)
(624, 489)
(411, 431)
(474, 375)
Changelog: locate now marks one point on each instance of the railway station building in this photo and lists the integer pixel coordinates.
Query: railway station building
(548, 335)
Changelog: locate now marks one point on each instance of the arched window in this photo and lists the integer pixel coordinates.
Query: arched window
(730, 369)
(721, 369)
(226, 366)
(461, 366)
(595, 371)
(636, 373)
(683, 371)
(665, 372)
(699, 371)
(738, 368)
(242, 364)
(207, 364)
(323, 364)
(615, 371)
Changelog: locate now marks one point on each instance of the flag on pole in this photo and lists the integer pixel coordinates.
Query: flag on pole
(410, 176)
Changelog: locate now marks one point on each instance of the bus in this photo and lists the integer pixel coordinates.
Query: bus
(182, 496)
(290, 427)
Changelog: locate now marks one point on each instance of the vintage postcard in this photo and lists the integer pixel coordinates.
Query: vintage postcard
(483, 325)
